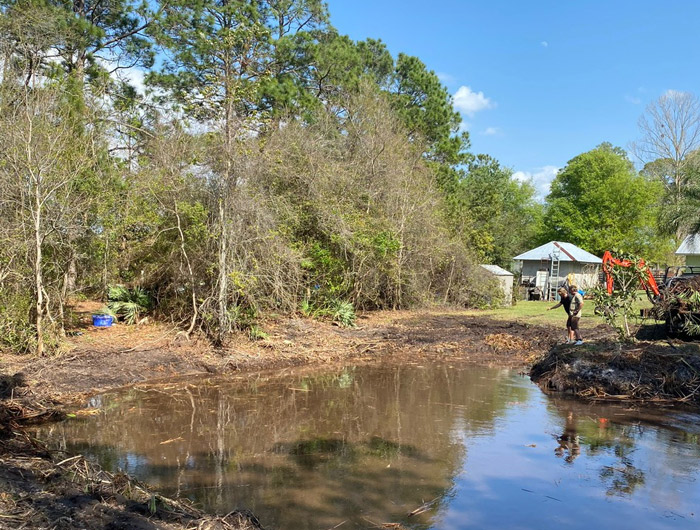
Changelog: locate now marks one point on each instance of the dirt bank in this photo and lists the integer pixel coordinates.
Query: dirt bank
(100, 359)
(656, 371)
(37, 491)
(42, 490)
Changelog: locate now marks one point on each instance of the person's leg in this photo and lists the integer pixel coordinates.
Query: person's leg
(574, 327)
(569, 331)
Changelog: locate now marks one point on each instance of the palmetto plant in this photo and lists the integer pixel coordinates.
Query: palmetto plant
(342, 312)
(128, 304)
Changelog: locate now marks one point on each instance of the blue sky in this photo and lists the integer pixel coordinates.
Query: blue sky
(541, 81)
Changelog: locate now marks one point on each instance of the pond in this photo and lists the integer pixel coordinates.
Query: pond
(430, 447)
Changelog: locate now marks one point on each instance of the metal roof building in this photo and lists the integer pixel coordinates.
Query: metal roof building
(551, 265)
(497, 271)
(690, 248)
(567, 252)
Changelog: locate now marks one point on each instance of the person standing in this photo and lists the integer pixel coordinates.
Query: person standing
(575, 312)
(565, 302)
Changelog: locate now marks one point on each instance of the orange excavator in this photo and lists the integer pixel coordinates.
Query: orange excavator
(646, 277)
(678, 304)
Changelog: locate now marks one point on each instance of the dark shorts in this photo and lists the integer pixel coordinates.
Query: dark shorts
(573, 323)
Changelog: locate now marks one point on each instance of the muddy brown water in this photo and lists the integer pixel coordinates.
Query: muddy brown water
(362, 447)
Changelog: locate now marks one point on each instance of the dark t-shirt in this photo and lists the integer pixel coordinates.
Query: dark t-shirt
(566, 302)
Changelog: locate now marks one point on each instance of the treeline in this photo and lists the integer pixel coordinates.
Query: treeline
(600, 201)
(270, 165)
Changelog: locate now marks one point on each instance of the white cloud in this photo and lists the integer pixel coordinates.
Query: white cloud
(637, 96)
(469, 103)
(541, 178)
(491, 131)
(135, 77)
(544, 44)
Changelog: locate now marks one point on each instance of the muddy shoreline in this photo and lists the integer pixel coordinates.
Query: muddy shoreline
(104, 359)
(45, 490)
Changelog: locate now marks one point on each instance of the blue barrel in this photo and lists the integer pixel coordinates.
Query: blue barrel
(102, 321)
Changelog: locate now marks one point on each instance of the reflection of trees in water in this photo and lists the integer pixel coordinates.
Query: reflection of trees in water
(366, 440)
(598, 435)
(621, 479)
(310, 454)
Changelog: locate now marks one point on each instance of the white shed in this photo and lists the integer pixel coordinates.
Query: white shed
(505, 278)
(548, 266)
(690, 248)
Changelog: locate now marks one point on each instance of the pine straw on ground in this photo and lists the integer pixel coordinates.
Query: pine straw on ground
(642, 371)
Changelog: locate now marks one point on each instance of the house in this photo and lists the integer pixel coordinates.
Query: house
(548, 266)
(505, 278)
(690, 248)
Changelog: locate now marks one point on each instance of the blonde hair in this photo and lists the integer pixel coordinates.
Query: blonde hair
(562, 290)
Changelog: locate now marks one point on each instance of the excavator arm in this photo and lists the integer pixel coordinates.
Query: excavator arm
(646, 277)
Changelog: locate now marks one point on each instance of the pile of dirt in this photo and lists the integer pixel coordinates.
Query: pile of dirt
(642, 371)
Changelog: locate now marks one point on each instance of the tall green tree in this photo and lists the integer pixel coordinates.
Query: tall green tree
(29, 32)
(220, 53)
(85, 40)
(426, 109)
(599, 202)
(339, 66)
(502, 214)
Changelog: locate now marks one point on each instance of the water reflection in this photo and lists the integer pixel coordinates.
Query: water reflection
(569, 446)
(365, 446)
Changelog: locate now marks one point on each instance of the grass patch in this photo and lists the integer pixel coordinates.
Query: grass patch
(535, 312)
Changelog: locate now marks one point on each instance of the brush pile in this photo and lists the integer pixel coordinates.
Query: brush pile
(505, 342)
(640, 372)
(679, 306)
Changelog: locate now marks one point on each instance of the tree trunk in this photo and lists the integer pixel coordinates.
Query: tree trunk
(193, 281)
(224, 192)
(223, 273)
(72, 273)
(38, 277)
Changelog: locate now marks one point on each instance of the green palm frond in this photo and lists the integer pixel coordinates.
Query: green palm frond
(128, 304)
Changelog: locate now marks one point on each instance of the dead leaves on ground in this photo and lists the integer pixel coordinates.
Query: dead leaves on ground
(505, 342)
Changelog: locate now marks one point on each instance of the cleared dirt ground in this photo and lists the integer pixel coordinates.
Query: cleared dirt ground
(103, 358)
(42, 490)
